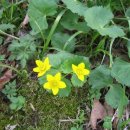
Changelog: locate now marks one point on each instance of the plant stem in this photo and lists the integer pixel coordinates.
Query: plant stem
(4, 33)
(126, 38)
(110, 52)
(103, 59)
(53, 29)
(10, 67)
(122, 6)
(17, 3)
(72, 37)
(89, 48)
(12, 10)
(121, 18)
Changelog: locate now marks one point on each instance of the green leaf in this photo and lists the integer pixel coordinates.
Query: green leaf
(17, 103)
(75, 6)
(59, 40)
(100, 77)
(121, 71)
(22, 50)
(128, 47)
(48, 8)
(71, 22)
(21, 100)
(122, 104)
(107, 122)
(128, 16)
(4, 27)
(66, 66)
(76, 81)
(114, 95)
(42, 80)
(66, 91)
(97, 17)
(5, 3)
(94, 94)
(1, 13)
(23, 62)
(57, 59)
(1, 40)
(13, 106)
(10, 89)
(79, 128)
(2, 57)
(112, 31)
(38, 10)
(14, 100)
(73, 128)
(38, 24)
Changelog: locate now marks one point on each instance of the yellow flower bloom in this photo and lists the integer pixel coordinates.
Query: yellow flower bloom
(42, 67)
(80, 71)
(54, 83)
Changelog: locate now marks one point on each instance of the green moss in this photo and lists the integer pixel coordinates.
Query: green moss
(49, 109)
(5, 117)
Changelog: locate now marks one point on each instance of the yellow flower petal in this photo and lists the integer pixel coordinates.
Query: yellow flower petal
(47, 86)
(74, 67)
(42, 67)
(80, 70)
(81, 65)
(86, 72)
(46, 61)
(55, 90)
(62, 84)
(47, 64)
(49, 77)
(39, 63)
(81, 77)
(41, 73)
(48, 67)
(54, 83)
(58, 76)
(36, 69)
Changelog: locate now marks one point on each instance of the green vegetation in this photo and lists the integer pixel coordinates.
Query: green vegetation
(58, 57)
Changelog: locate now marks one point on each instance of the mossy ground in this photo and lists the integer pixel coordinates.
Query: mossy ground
(48, 111)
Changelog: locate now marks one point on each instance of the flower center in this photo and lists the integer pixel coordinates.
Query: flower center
(43, 68)
(79, 71)
(54, 83)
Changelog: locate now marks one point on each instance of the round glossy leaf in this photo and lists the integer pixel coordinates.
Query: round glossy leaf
(66, 91)
(77, 82)
(121, 71)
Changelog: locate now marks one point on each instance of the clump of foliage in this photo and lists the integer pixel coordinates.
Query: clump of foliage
(17, 102)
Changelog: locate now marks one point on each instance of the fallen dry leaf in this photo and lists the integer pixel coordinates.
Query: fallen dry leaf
(109, 109)
(25, 21)
(24, 5)
(10, 127)
(5, 78)
(98, 112)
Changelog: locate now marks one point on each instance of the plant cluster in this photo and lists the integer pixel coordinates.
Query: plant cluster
(73, 67)
(17, 102)
(54, 76)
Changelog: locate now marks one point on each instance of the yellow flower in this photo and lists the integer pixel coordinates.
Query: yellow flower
(80, 71)
(54, 83)
(42, 67)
